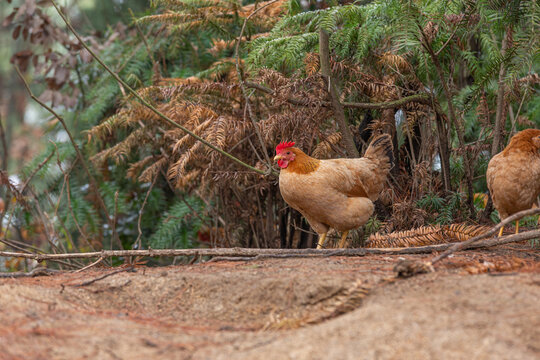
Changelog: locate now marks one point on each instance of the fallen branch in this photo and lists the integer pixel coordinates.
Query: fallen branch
(248, 252)
(90, 265)
(36, 272)
(276, 256)
(519, 237)
(129, 268)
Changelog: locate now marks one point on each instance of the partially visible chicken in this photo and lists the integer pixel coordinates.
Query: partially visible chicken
(513, 175)
(336, 193)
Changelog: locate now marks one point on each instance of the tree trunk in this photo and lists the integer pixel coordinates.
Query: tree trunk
(339, 113)
(500, 116)
(444, 153)
(454, 119)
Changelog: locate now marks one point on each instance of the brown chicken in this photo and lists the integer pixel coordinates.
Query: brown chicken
(336, 193)
(513, 175)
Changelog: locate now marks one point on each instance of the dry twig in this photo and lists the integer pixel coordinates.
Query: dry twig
(36, 272)
(90, 265)
(249, 252)
(523, 236)
(129, 268)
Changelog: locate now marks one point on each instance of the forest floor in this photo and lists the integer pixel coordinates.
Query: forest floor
(480, 304)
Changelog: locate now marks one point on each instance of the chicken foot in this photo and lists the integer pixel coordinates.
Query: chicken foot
(322, 238)
(517, 228)
(343, 240)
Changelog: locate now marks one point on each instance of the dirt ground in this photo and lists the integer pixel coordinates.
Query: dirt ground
(477, 305)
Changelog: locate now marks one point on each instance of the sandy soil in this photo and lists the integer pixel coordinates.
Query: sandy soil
(477, 305)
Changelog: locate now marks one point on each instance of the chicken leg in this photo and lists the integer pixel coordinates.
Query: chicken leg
(343, 240)
(517, 229)
(320, 244)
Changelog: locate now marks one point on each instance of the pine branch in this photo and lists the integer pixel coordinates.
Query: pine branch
(422, 98)
(36, 170)
(144, 102)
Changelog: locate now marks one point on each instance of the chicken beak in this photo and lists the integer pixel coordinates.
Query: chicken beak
(278, 157)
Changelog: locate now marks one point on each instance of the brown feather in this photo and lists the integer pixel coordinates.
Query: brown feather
(513, 176)
(303, 163)
(523, 141)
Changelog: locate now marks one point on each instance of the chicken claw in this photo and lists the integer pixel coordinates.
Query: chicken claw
(343, 240)
(322, 238)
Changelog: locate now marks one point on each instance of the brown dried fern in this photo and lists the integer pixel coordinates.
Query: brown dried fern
(324, 148)
(426, 235)
(396, 62)
(153, 170)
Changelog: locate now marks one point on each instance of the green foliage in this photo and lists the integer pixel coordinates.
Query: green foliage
(99, 98)
(354, 31)
(448, 213)
(431, 202)
(179, 225)
(372, 226)
(50, 173)
(79, 210)
(113, 196)
(442, 210)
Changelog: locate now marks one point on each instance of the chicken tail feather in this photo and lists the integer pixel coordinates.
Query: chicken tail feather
(381, 149)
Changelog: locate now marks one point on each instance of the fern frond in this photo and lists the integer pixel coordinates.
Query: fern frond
(426, 235)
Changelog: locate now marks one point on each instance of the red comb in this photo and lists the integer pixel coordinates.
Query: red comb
(284, 145)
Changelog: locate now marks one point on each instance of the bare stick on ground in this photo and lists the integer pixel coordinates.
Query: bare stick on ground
(248, 252)
(90, 265)
(36, 272)
(465, 244)
(129, 268)
(407, 268)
